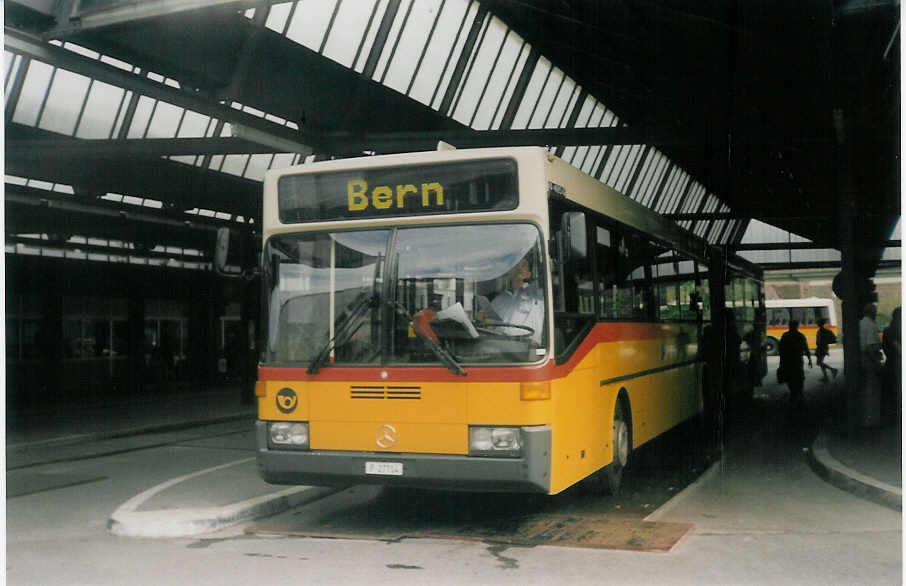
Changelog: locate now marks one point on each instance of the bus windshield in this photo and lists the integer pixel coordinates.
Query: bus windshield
(406, 296)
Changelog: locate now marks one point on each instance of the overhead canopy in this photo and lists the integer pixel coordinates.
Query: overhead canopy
(784, 112)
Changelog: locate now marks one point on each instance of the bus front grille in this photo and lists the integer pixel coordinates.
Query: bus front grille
(398, 393)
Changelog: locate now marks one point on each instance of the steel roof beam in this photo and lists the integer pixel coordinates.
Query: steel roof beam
(388, 142)
(133, 147)
(39, 199)
(30, 46)
(79, 18)
(110, 250)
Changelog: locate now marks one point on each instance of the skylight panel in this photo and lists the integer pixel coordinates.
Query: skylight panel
(475, 95)
(309, 23)
(234, 164)
(141, 117)
(257, 165)
(626, 168)
(677, 182)
(34, 89)
(102, 108)
(165, 120)
(80, 50)
(650, 177)
(193, 125)
(532, 93)
(499, 86)
(64, 101)
(37, 184)
(349, 27)
(117, 63)
(278, 16)
(282, 160)
(12, 63)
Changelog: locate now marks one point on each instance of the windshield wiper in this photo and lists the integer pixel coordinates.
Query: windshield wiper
(344, 332)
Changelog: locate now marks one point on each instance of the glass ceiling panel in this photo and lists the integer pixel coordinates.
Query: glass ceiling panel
(309, 23)
(412, 41)
(677, 183)
(347, 31)
(498, 85)
(63, 102)
(34, 88)
(436, 51)
(393, 40)
(652, 176)
(102, 109)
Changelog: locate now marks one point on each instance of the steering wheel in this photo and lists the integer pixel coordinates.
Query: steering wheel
(483, 328)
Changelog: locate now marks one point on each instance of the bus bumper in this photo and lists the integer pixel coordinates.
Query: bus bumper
(528, 473)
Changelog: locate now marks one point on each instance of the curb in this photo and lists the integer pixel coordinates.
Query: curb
(852, 481)
(128, 521)
(682, 495)
(81, 438)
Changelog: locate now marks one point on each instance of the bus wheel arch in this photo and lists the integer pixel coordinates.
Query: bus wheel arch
(621, 443)
(770, 346)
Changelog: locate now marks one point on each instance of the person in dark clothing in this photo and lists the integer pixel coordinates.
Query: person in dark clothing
(823, 339)
(892, 383)
(792, 348)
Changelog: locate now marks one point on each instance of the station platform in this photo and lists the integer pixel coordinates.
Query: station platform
(866, 463)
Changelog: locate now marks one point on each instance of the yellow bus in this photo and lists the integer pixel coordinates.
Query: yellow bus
(807, 311)
(482, 319)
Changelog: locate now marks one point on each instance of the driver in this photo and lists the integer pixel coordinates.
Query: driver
(520, 303)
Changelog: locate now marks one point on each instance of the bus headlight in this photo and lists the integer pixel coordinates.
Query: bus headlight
(495, 441)
(288, 434)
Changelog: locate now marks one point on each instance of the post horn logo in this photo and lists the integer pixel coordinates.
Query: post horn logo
(386, 436)
(287, 400)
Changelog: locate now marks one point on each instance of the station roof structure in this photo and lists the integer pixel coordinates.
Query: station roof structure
(136, 128)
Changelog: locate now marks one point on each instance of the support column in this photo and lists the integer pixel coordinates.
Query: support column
(715, 344)
(846, 284)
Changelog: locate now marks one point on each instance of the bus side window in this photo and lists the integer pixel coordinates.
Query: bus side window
(574, 301)
(606, 258)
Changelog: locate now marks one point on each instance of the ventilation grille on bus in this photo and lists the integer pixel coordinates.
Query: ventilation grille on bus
(378, 392)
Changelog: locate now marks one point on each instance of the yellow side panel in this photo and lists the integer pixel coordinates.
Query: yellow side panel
(424, 438)
(582, 409)
(581, 427)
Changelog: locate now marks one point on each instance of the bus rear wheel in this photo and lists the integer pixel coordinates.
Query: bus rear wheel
(622, 448)
(770, 346)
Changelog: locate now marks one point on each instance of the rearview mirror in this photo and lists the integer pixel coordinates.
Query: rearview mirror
(576, 239)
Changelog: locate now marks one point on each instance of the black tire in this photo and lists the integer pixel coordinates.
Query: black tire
(770, 346)
(622, 449)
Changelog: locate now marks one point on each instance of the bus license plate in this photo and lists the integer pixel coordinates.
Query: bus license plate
(384, 468)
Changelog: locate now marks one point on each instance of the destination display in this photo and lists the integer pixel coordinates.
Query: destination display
(408, 190)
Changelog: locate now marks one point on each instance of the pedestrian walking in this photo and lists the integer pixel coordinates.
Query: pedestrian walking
(792, 348)
(870, 348)
(823, 339)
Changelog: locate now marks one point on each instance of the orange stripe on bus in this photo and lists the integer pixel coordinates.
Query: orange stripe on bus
(601, 333)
